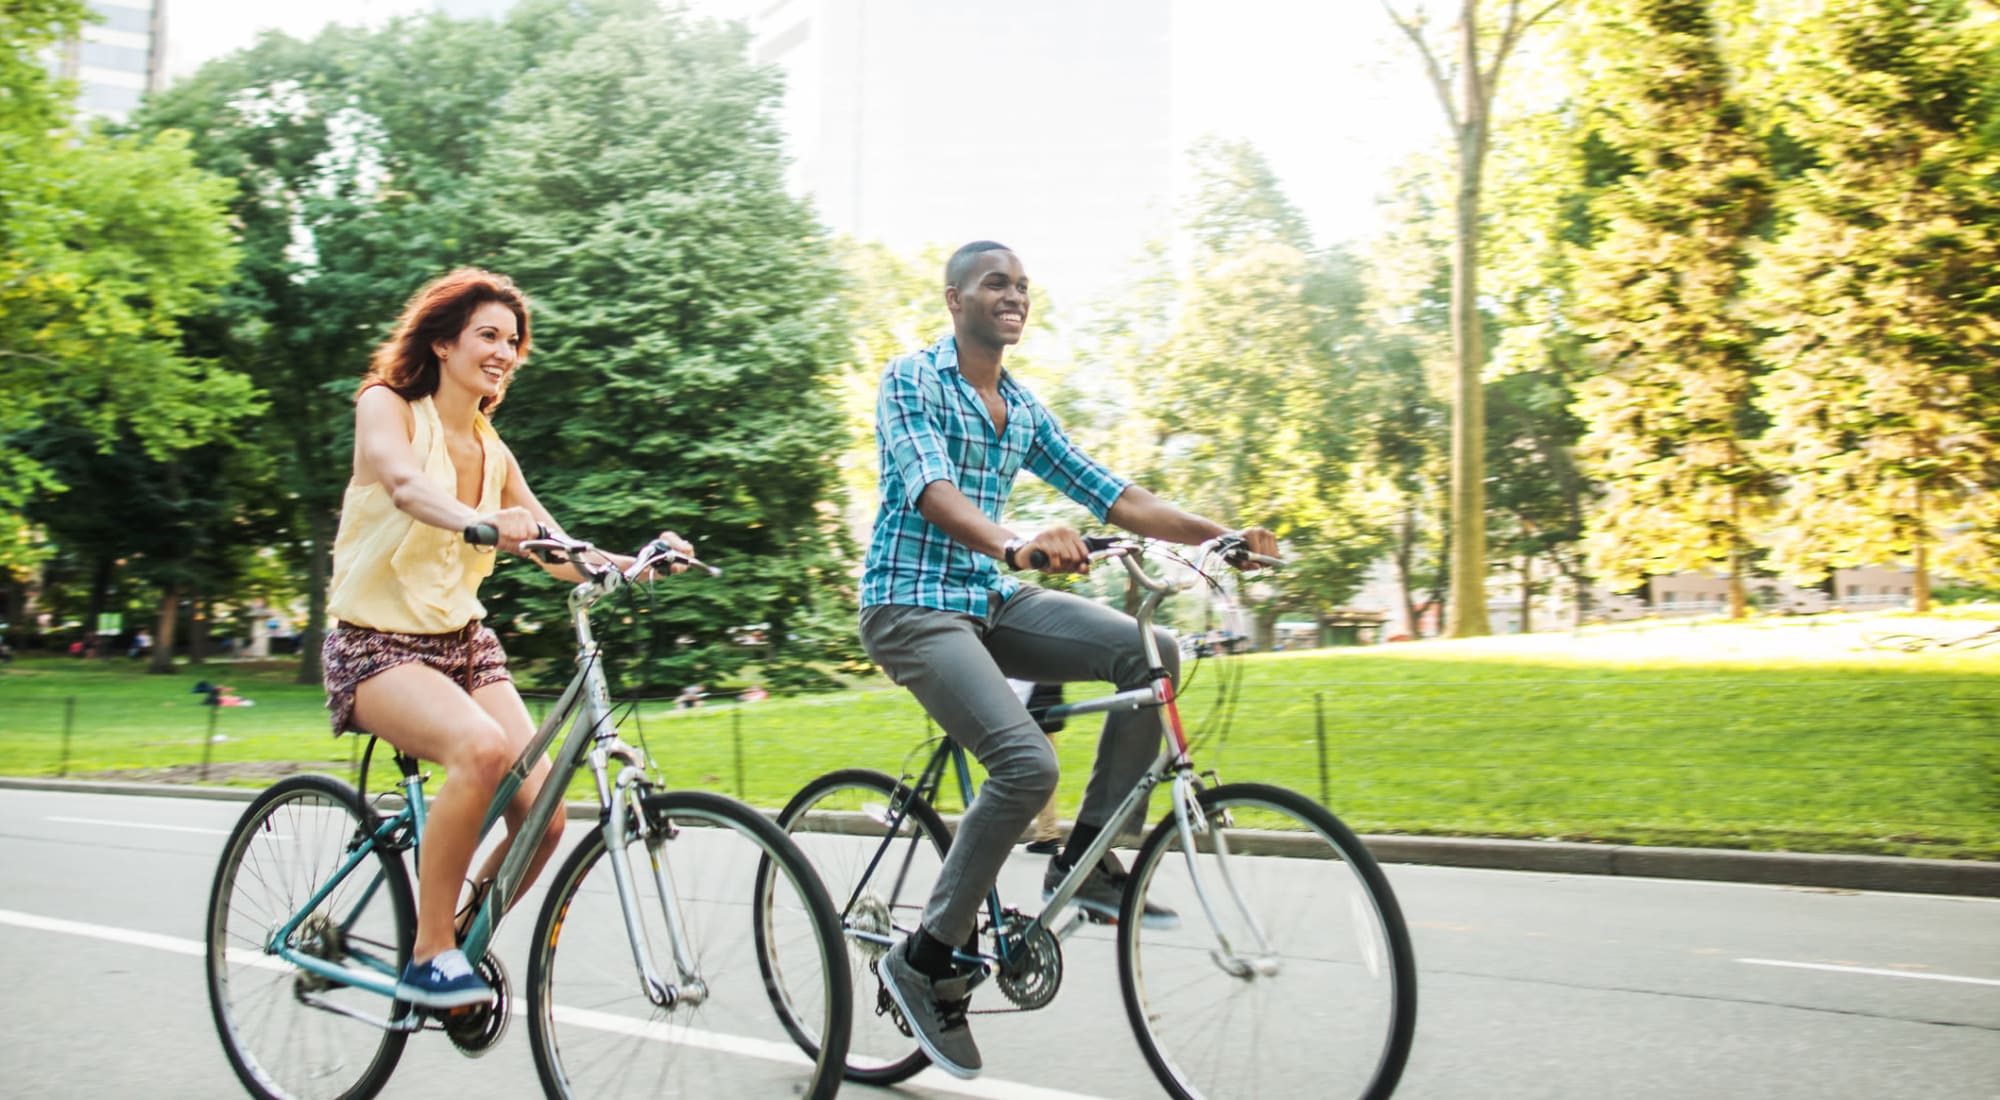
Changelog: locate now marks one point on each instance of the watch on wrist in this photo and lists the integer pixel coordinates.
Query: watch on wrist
(1008, 550)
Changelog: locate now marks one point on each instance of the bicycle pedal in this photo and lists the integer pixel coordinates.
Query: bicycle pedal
(885, 1005)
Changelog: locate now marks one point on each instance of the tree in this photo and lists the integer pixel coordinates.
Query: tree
(689, 336)
(361, 156)
(1254, 388)
(106, 243)
(1884, 395)
(1672, 429)
(1466, 81)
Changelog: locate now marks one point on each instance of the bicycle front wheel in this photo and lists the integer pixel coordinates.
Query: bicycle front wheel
(286, 1029)
(879, 885)
(1295, 979)
(705, 914)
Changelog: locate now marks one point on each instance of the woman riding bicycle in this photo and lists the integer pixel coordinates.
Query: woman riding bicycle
(409, 659)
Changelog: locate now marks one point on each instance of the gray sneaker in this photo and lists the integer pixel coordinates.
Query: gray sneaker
(1103, 893)
(935, 1010)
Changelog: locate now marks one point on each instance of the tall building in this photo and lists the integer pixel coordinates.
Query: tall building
(1045, 124)
(117, 59)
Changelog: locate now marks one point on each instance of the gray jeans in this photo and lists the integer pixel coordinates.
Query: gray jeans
(957, 666)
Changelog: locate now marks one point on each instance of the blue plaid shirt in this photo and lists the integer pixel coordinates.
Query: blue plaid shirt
(930, 425)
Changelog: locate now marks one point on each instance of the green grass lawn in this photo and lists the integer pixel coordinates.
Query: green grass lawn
(1773, 736)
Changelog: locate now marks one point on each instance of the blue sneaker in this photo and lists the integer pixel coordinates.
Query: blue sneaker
(446, 981)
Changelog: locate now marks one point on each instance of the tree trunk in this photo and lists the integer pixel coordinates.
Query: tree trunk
(1920, 580)
(1405, 548)
(163, 633)
(1466, 615)
(1739, 606)
(1263, 630)
(100, 595)
(1527, 593)
(318, 556)
(197, 628)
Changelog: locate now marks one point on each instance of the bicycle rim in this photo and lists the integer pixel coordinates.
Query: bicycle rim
(287, 844)
(594, 1031)
(840, 822)
(1326, 1007)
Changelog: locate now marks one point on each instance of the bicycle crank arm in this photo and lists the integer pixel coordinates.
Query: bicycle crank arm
(411, 1020)
(1076, 920)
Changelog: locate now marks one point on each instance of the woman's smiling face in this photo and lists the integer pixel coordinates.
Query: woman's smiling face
(485, 352)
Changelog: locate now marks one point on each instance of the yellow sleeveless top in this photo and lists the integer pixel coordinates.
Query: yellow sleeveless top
(391, 572)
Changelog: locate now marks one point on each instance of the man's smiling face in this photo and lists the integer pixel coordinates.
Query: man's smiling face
(991, 304)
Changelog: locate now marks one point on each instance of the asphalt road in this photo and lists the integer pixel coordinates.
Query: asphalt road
(1532, 985)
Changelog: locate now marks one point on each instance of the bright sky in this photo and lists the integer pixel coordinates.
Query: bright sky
(1326, 89)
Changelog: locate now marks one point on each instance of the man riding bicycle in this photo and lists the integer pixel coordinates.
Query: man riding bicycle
(953, 430)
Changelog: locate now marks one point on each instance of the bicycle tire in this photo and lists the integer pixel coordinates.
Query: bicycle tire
(289, 839)
(594, 1031)
(1334, 1016)
(829, 819)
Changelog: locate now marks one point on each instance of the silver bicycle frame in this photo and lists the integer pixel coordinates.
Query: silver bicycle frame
(1174, 764)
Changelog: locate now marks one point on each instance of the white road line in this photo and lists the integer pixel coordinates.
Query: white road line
(139, 825)
(1873, 970)
(104, 932)
(980, 1089)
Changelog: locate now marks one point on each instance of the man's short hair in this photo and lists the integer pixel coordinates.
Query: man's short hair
(960, 264)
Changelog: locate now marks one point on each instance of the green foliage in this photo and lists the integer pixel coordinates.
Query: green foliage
(1658, 291)
(1252, 387)
(32, 102)
(1885, 394)
(689, 396)
(106, 243)
(689, 320)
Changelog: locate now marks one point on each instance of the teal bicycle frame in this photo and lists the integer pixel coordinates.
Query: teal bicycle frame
(593, 739)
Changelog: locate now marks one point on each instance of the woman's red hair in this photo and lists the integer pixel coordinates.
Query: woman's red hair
(437, 314)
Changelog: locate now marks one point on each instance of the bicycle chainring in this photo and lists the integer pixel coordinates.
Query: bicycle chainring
(478, 1028)
(1035, 974)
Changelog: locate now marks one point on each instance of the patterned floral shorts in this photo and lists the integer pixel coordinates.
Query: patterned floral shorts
(471, 657)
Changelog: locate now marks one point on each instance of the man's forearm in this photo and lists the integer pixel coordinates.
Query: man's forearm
(951, 511)
(1142, 513)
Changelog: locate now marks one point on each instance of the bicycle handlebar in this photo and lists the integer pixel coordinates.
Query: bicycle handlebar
(1230, 546)
(1095, 545)
(548, 549)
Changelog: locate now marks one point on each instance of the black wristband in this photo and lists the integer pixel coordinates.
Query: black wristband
(1008, 549)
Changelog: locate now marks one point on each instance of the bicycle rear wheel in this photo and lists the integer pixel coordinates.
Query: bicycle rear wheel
(1322, 1003)
(594, 1030)
(879, 886)
(280, 1025)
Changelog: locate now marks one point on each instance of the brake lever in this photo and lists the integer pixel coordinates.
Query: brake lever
(656, 552)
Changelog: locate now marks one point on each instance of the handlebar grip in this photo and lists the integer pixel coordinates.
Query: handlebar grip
(482, 534)
(1093, 544)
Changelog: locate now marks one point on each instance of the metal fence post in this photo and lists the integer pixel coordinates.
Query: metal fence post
(208, 743)
(1319, 735)
(69, 721)
(736, 735)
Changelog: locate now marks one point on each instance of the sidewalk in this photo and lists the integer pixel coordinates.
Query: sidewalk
(1831, 872)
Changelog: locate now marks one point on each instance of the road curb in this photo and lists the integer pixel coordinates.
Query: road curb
(1894, 874)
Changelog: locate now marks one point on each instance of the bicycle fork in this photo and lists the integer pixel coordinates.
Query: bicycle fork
(691, 990)
(1190, 821)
